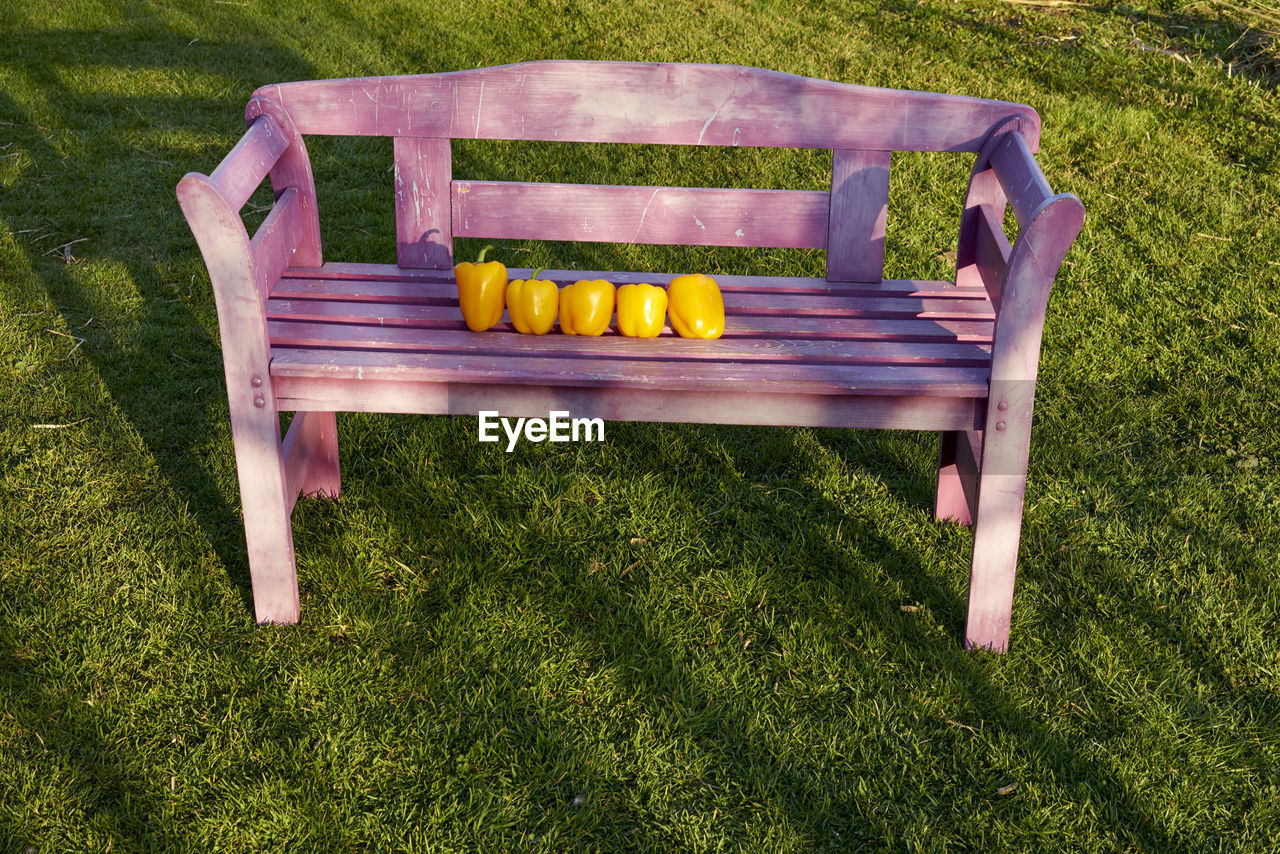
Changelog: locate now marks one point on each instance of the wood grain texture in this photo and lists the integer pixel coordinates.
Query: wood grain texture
(671, 215)
(668, 348)
(682, 104)
(221, 236)
(343, 271)
(378, 324)
(984, 189)
(845, 350)
(1033, 263)
(858, 217)
(424, 227)
(447, 317)
(617, 404)
(956, 494)
(268, 534)
(778, 302)
(621, 372)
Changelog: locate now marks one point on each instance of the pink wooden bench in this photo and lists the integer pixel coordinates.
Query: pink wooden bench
(847, 350)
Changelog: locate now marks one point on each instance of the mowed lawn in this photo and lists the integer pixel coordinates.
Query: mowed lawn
(684, 638)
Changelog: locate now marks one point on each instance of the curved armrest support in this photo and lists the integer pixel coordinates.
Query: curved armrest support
(1017, 277)
(293, 170)
(221, 235)
(243, 271)
(1033, 263)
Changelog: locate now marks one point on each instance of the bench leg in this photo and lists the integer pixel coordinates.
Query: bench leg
(996, 532)
(266, 506)
(323, 478)
(950, 503)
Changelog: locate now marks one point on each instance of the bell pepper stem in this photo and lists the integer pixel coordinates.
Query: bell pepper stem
(536, 272)
(483, 252)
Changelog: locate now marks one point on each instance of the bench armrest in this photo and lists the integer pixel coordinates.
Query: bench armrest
(212, 203)
(1048, 224)
(1017, 277)
(243, 270)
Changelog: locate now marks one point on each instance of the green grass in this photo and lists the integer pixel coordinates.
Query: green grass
(685, 638)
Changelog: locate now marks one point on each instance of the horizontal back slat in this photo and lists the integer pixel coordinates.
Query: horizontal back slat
(659, 103)
(244, 167)
(670, 215)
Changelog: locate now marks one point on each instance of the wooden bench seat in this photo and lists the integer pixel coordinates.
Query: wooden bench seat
(850, 349)
(785, 337)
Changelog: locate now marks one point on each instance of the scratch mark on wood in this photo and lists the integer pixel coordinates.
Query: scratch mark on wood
(520, 101)
(708, 124)
(640, 224)
(732, 89)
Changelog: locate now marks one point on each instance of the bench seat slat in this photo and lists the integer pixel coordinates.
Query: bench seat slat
(382, 289)
(788, 336)
(687, 216)
(839, 328)
(812, 378)
(347, 271)
(666, 348)
(735, 302)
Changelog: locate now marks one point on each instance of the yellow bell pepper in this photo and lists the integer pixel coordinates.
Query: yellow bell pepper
(695, 307)
(482, 289)
(586, 307)
(642, 310)
(532, 303)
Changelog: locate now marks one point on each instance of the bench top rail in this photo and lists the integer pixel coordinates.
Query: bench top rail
(647, 103)
(656, 103)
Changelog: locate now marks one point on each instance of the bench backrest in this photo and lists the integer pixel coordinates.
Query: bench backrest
(616, 102)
